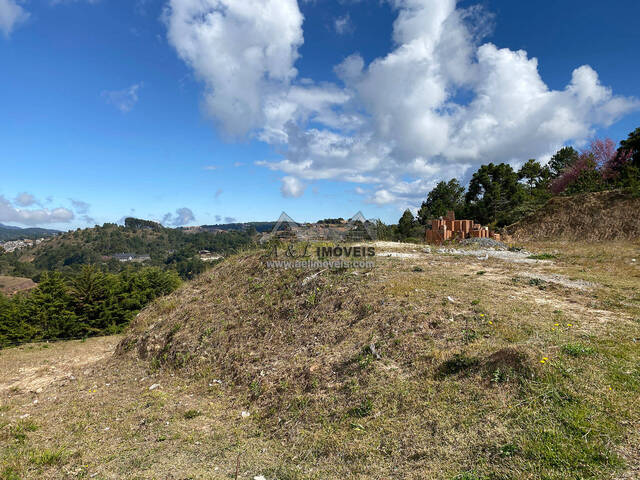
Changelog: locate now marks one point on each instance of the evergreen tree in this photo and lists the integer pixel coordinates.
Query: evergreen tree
(444, 197)
(494, 192)
(50, 310)
(632, 145)
(405, 224)
(563, 159)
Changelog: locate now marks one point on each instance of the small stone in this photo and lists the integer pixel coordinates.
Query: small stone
(154, 386)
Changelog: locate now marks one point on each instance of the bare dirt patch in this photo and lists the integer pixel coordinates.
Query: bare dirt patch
(33, 367)
(12, 285)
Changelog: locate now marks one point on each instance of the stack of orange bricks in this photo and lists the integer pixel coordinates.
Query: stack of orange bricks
(451, 229)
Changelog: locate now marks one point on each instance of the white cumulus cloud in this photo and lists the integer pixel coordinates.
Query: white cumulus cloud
(438, 105)
(343, 24)
(182, 217)
(42, 216)
(244, 52)
(11, 15)
(25, 199)
(292, 187)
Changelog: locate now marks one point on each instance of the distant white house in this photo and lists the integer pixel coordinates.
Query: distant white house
(131, 257)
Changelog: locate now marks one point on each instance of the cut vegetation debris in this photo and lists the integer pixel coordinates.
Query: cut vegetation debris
(351, 376)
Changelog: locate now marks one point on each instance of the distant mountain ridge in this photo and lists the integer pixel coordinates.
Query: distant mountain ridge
(8, 232)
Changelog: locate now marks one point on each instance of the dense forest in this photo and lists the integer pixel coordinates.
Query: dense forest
(83, 291)
(90, 303)
(498, 195)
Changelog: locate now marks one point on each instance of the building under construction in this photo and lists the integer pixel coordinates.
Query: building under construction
(448, 228)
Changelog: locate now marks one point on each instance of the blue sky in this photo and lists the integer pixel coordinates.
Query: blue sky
(199, 112)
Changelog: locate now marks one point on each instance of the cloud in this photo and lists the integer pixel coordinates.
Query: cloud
(210, 167)
(238, 164)
(88, 220)
(438, 105)
(25, 199)
(42, 216)
(242, 51)
(11, 15)
(291, 187)
(79, 206)
(218, 193)
(125, 99)
(182, 216)
(343, 25)
(140, 6)
(219, 219)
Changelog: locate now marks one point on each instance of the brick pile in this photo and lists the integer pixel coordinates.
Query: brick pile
(448, 228)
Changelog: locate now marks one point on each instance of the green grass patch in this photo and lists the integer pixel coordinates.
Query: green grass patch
(189, 414)
(543, 256)
(459, 363)
(577, 349)
(363, 410)
(49, 457)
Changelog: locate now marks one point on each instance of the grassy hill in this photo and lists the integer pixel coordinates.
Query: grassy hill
(167, 246)
(610, 215)
(430, 365)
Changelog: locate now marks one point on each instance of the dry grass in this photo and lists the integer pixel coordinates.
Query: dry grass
(600, 216)
(370, 375)
(12, 285)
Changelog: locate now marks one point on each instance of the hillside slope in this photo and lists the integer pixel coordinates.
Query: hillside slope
(610, 215)
(167, 247)
(459, 367)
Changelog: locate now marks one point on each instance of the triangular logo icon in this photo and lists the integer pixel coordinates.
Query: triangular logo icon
(361, 229)
(285, 227)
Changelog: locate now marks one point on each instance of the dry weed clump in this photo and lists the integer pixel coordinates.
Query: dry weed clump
(601, 216)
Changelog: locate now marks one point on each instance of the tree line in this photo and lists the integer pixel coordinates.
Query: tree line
(498, 195)
(89, 302)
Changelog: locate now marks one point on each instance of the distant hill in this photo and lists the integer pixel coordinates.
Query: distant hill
(260, 227)
(611, 215)
(171, 248)
(8, 232)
